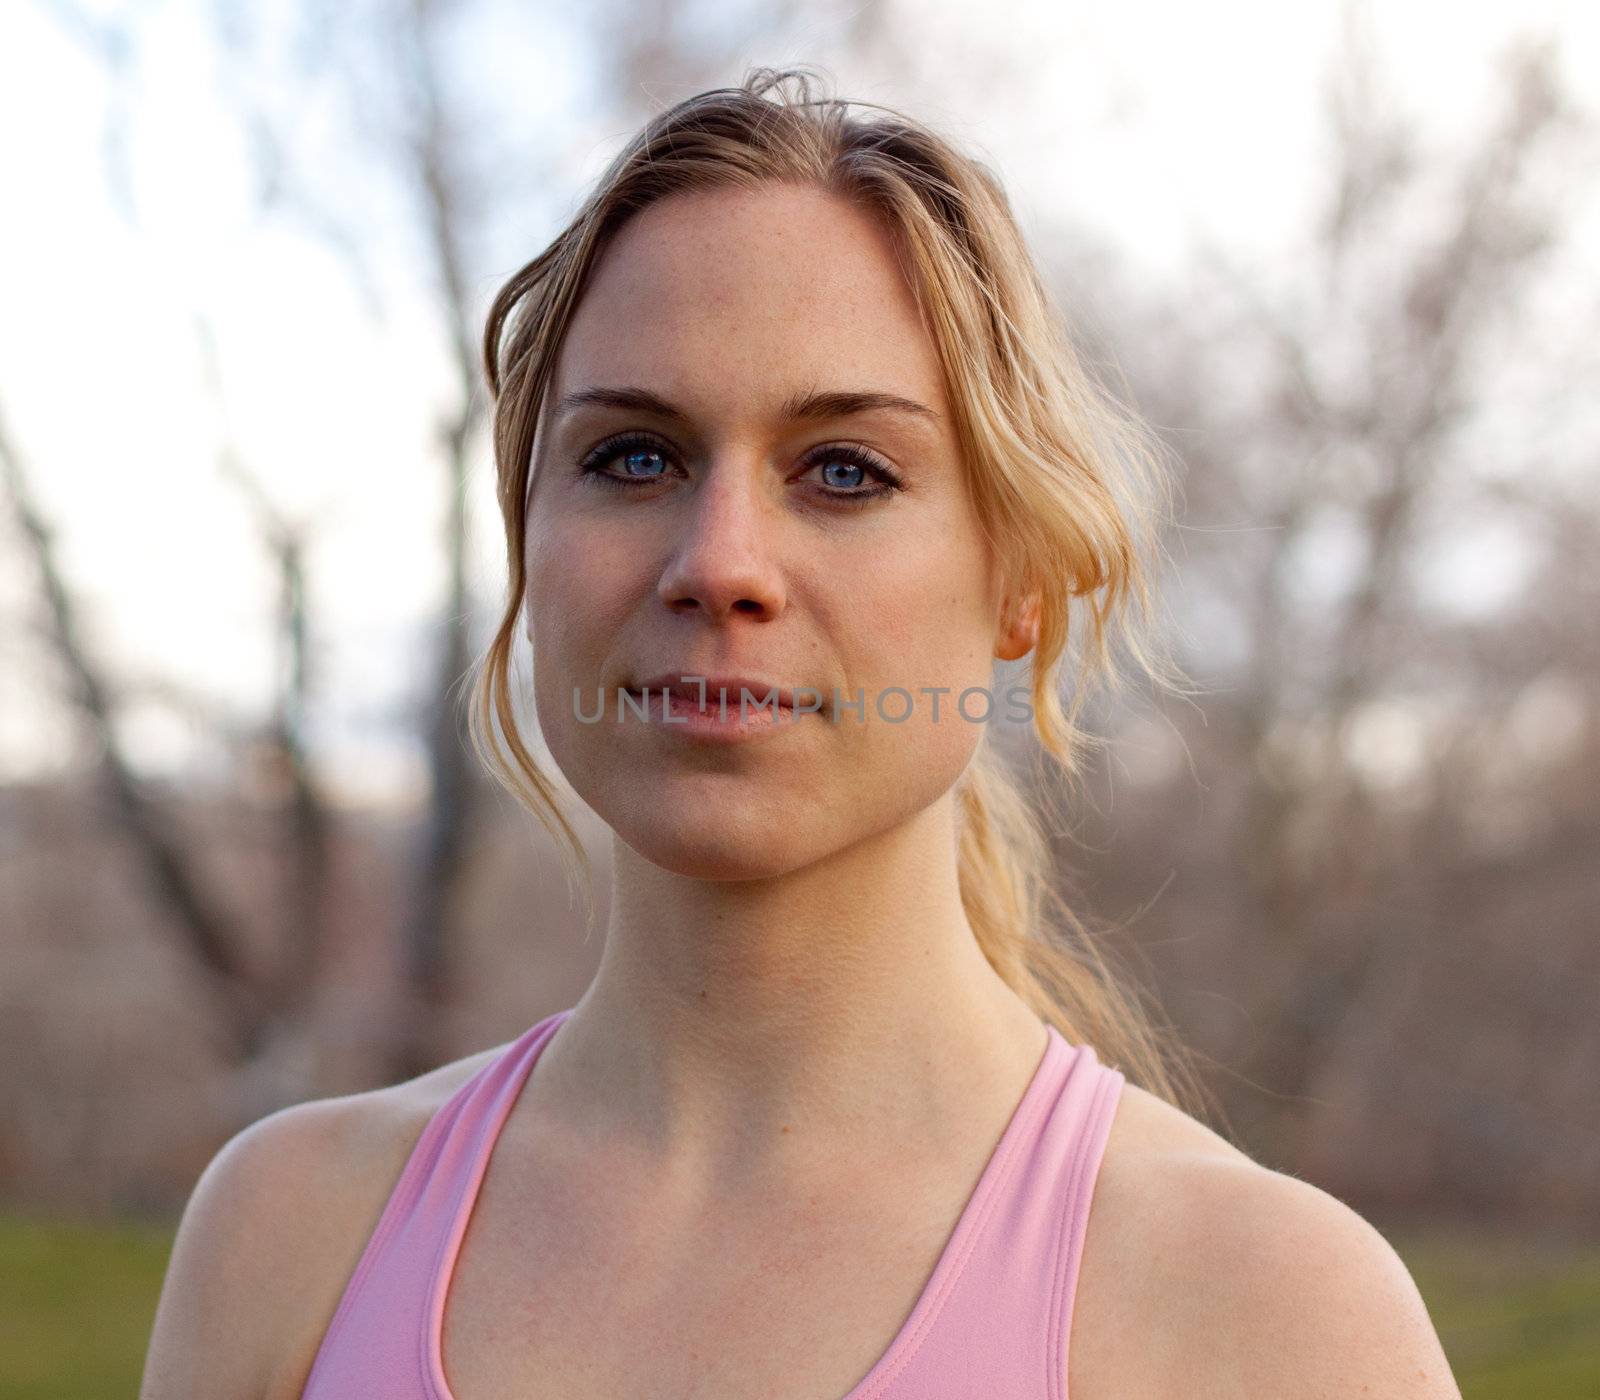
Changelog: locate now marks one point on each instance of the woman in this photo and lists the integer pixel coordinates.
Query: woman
(785, 427)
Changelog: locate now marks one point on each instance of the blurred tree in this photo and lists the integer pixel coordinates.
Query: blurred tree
(1365, 411)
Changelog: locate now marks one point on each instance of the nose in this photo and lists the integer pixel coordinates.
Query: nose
(723, 563)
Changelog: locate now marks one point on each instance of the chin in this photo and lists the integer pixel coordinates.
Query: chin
(726, 849)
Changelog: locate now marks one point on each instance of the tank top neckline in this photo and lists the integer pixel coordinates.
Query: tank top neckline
(1058, 1055)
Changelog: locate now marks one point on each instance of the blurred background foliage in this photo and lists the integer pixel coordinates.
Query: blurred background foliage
(1347, 268)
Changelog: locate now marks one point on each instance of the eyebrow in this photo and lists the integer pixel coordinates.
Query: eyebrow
(800, 407)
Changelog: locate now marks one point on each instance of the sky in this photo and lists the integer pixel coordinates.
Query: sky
(1144, 120)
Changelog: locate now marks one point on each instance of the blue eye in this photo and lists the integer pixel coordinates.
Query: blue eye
(637, 462)
(643, 459)
(856, 467)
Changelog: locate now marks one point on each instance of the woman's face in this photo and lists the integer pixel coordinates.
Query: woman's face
(716, 535)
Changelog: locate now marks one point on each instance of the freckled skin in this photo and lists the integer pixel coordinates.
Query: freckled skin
(725, 303)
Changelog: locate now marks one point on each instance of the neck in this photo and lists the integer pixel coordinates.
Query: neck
(737, 1025)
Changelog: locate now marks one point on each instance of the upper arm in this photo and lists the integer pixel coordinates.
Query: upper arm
(1296, 1297)
(254, 1262)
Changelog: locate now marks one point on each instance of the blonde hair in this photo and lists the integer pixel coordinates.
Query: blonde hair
(1069, 488)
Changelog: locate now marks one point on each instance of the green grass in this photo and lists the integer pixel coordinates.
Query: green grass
(76, 1305)
(1518, 1321)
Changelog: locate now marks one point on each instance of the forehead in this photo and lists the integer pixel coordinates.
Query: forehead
(747, 294)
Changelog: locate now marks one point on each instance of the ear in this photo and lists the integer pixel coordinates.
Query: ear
(1019, 627)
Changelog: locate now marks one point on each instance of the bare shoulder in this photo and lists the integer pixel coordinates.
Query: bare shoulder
(272, 1232)
(1237, 1280)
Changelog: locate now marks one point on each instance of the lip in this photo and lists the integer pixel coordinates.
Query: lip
(722, 718)
(713, 687)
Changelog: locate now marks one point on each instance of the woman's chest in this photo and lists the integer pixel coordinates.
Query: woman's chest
(797, 1300)
(560, 1290)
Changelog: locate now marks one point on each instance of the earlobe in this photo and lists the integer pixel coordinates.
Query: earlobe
(1020, 629)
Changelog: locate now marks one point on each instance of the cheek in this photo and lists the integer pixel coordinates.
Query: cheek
(575, 603)
(920, 619)
(914, 650)
(581, 581)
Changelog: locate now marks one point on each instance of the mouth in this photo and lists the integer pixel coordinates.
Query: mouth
(716, 692)
(715, 708)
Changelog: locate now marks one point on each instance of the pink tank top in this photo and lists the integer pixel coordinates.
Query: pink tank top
(993, 1319)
